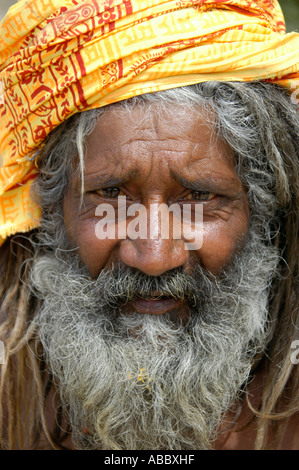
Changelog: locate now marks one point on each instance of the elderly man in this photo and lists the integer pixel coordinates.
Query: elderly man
(115, 340)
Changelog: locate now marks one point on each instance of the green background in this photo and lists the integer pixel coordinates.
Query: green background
(290, 9)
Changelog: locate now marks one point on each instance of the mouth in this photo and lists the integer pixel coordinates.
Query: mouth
(155, 305)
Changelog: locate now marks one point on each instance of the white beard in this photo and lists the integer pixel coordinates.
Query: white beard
(140, 381)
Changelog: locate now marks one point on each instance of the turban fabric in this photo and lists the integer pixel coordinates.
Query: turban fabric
(61, 57)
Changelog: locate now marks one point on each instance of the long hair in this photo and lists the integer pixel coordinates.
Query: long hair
(260, 123)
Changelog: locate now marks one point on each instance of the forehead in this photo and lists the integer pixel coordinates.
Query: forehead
(168, 136)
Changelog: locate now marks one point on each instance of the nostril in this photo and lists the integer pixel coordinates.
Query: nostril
(153, 257)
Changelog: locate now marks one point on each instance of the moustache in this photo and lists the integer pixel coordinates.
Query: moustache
(122, 284)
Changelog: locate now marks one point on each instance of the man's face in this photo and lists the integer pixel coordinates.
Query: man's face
(155, 157)
(150, 342)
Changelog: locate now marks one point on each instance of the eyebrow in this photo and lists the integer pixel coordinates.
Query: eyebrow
(204, 183)
(98, 180)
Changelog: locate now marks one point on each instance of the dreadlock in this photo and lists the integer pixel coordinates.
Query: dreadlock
(260, 123)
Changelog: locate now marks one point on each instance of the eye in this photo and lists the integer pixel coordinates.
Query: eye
(202, 196)
(110, 192)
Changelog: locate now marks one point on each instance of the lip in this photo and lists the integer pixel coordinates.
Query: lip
(155, 306)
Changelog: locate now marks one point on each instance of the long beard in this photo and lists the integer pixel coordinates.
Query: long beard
(143, 381)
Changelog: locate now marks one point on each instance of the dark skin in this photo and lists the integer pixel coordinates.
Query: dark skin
(169, 157)
(165, 159)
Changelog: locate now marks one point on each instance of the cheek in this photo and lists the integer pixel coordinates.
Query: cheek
(94, 253)
(221, 241)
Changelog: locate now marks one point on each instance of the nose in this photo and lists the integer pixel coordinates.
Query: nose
(158, 251)
(153, 257)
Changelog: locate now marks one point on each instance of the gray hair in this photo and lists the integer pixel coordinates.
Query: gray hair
(257, 120)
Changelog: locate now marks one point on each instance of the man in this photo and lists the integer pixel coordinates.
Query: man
(115, 340)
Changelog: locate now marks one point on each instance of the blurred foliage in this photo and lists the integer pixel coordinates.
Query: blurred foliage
(290, 9)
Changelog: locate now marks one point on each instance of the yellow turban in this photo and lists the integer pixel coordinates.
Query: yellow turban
(60, 57)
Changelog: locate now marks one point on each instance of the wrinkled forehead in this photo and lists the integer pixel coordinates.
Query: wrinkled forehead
(132, 135)
(168, 118)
